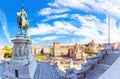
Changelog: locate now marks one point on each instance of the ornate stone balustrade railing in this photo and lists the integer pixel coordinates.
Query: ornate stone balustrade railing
(109, 51)
(57, 72)
(86, 67)
(93, 60)
(78, 74)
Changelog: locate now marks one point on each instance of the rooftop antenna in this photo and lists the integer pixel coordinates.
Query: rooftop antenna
(108, 30)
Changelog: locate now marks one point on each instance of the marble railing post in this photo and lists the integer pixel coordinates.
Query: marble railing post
(102, 54)
(69, 71)
(86, 66)
(93, 60)
(78, 74)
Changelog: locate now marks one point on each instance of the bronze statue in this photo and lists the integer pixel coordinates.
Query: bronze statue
(22, 21)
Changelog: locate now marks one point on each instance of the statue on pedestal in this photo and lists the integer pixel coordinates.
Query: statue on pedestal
(22, 21)
(22, 65)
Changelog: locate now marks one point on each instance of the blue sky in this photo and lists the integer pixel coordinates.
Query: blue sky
(66, 21)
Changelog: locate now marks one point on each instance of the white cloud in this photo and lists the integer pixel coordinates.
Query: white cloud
(4, 25)
(106, 6)
(41, 29)
(90, 22)
(57, 28)
(40, 40)
(48, 11)
(68, 3)
(93, 29)
(48, 38)
(55, 17)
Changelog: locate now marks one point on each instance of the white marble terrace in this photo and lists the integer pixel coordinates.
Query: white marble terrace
(113, 72)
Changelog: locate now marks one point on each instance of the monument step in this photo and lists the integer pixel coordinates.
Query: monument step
(102, 67)
(45, 71)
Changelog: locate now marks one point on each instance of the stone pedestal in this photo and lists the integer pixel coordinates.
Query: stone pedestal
(109, 48)
(22, 65)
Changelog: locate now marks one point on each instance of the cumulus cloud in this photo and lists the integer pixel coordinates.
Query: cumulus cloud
(48, 38)
(91, 28)
(48, 11)
(106, 6)
(90, 22)
(4, 25)
(68, 3)
(55, 17)
(57, 28)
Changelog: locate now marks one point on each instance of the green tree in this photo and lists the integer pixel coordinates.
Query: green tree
(89, 52)
(40, 57)
(8, 52)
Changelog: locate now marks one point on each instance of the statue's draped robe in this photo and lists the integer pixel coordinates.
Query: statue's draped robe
(22, 20)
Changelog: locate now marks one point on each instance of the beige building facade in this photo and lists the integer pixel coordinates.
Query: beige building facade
(59, 50)
(36, 50)
(69, 50)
